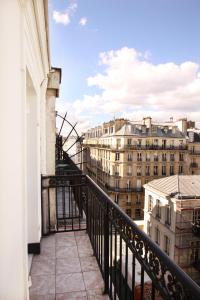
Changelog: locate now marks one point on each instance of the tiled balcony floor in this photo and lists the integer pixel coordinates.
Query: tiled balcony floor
(66, 269)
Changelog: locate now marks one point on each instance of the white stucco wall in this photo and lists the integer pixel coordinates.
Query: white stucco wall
(24, 77)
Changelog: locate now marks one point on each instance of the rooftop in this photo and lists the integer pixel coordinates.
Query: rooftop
(186, 186)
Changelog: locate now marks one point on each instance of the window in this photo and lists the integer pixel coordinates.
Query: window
(181, 156)
(171, 170)
(118, 143)
(129, 142)
(117, 183)
(172, 157)
(164, 143)
(149, 228)
(129, 157)
(157, 235)
(158, 209)
(139, 156)
(172, 144)
(180, 169)
(117, 198)
(117, 156)
(117, 170)
(147, 157)
(155, 157)
(128, 200)
(138, 200)
(139, 142)
(150, 203)
(164, 157)
(129, 171)
(128, 212)
(166, 244)
(147, 170)
(163, 170)
(139, 169)
(168, 212)
(128, 184)
(137, 213)
(196, 214)
(155, 170)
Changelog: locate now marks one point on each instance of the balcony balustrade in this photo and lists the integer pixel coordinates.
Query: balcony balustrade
(131, 264)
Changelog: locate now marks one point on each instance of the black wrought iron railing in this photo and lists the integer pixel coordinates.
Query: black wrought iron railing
(132, 265)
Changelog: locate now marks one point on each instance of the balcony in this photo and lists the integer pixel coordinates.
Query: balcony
(194, 165)
(83, 228)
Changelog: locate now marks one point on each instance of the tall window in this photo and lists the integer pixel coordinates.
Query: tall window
(117, 183)
(181, 156)
(129, 156)
(128, 184)
(138, 200)
(171, 170)
(128, 212)
(155, 157)
(163, 170)
(137, 213)
(164, 157)
(129, 171)
(166, 244)
(149, 228)
(129, 141)
(139, 156)
(139, 169)
(155, 170)
(180, 169)
(148, 157)
(150, 203)
(128, 200)
(158, 209)
(147, 170)
(168, 212)
(172, 157)
(157, 235)
(196, 214)
(117, 156)
(117, 198)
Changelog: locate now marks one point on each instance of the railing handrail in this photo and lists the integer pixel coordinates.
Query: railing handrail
(173, 268)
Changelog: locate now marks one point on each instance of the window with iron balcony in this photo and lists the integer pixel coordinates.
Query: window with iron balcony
(166, 244)
(168, 212)
(158, 209)
(157, 236)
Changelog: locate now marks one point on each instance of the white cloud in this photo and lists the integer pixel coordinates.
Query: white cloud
(83, 21)
(132, 86)
(65, 16)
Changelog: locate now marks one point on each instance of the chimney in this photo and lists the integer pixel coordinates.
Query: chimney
(147, 122)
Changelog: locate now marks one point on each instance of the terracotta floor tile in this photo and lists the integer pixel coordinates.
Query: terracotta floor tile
(74, 295)
(69, 283)
(43, 297)
(93, 280)
(67, 265)
(85, 251)
(68, 252)
(42, 266)
(65, 241)
(42, 285)
(89, 263)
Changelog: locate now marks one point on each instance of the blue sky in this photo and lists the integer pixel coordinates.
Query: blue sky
(150, 60)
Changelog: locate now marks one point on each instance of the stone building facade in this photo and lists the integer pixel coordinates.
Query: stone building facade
(172, 219)
(122, 156)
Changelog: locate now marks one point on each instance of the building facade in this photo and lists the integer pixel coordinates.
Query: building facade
(29, 87)
(172, 219)
(122, 156)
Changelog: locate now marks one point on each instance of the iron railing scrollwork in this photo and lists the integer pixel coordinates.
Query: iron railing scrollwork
(130, 262)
